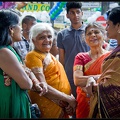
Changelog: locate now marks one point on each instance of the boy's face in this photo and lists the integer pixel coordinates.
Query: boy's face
(26, 26)
(75, 15)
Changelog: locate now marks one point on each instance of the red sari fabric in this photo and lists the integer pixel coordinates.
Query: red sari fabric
(89, 68)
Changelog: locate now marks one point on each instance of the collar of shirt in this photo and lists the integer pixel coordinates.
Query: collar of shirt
(81, 28)
(23, 38)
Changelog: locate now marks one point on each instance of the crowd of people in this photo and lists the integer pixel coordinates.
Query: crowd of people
(69, 74)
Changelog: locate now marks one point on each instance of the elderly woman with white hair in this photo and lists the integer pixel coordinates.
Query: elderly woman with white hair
(58, 101)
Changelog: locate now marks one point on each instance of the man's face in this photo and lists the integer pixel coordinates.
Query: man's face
(30, 24)
(26, 27)
(75, 15)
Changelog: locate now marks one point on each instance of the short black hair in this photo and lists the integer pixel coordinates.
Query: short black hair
(28, 18)
(70, 5)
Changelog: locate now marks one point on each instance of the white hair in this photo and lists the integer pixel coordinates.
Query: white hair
(38, 28)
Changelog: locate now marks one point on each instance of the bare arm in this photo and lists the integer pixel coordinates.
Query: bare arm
(10, 65)
(54, 94)
(80, 79)
(57, 96)
(38, 72)
(61, 55)
(38, 86)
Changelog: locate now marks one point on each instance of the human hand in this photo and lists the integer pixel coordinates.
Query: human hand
(66, 107)
(89, 86)
(72, 104)
(44, 88)
(63, 104)
(40, 87)
(69, 110)
(36, 87)
(96, 77)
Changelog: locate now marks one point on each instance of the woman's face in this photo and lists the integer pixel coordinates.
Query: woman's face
(111, 30)
(43, 41)
(94, 37)
(17, 33)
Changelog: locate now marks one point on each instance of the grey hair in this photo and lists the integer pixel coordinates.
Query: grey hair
(96, 24)
(38, 28)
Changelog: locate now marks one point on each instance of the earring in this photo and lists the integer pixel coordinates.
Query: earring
(12, 33)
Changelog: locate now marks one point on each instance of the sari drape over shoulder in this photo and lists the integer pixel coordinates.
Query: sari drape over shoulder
(88, 67)
(55, 76)
(107, 97)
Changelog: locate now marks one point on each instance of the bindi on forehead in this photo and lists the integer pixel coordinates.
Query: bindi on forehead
(93, 29)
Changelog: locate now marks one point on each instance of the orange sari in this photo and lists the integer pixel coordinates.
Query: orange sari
(89, 68)
(55, 76)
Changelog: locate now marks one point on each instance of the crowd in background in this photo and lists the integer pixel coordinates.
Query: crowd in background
(71, 73)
